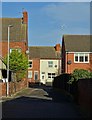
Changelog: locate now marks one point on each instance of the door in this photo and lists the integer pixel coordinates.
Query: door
(36, 76)
(43, 79)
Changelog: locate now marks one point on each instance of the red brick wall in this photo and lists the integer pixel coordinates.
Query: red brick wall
(21, 45)
(13, 87)
(2, 89)
(35, 67)
(70, 68)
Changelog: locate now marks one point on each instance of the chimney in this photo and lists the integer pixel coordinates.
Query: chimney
(25, 17)
(57, 47)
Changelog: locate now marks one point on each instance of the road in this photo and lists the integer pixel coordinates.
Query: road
(40, 102)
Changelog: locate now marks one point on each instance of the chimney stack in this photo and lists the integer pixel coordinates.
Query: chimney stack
(57, 47)
(25, 17)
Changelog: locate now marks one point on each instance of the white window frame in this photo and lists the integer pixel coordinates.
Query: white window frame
(84, 54)
(50, 65)
(30, 75)
(19, 49)
(51, 76)
(29, 64)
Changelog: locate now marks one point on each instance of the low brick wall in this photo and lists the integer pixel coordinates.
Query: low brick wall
(13, 87)
(2, 89)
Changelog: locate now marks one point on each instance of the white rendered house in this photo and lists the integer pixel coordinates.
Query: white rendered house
(49, 68)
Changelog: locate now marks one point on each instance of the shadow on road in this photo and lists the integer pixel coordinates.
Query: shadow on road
(59, 106)
(56, 96)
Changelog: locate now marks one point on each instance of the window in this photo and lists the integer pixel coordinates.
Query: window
(29, 74)
(86, 57)
(76, 57)
(81, 57)
(50, 63)
(11, 49)
(30, 64)
(51, 75)
(43, 72)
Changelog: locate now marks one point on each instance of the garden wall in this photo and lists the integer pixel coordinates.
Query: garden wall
(13, 87)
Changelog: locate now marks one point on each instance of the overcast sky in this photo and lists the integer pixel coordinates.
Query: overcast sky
(48, 21)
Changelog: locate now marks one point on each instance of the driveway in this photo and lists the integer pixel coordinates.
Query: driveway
(40, 102)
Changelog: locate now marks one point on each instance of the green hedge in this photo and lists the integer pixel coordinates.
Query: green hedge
(80, 74)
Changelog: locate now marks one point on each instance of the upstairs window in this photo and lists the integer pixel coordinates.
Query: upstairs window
(81, 58)
(50, 63)
(12, 49)
(30, 64)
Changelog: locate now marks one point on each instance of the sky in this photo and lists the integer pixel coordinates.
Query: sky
(49, 21)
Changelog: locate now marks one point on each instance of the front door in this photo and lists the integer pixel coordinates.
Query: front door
(43, 77)
(36, 76)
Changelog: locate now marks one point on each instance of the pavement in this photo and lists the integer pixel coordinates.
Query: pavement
(15, 95)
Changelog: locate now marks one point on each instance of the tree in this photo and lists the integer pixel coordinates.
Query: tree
(80, 74)
(18, 63)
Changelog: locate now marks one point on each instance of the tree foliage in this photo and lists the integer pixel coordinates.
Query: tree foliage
(18, 63)
(80, 74)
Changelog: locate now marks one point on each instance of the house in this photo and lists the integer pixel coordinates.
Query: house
(34, 64)
(76, 53)
(16, 29)
(18, 34)
(44, 63)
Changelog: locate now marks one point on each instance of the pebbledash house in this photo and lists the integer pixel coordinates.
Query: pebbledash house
(76, 53)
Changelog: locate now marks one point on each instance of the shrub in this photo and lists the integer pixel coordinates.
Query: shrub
(80, 74)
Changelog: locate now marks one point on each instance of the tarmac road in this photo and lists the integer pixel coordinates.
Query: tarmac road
(40, 102)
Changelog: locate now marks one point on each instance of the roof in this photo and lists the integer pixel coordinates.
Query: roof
(17, 32)
(43, 52)
(77, 43)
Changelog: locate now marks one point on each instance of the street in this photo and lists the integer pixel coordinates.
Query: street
(40, 102)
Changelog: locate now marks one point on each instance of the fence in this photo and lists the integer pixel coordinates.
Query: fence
(80, 90)
(85, 95)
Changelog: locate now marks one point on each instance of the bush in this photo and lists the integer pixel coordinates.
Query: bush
(80, 74)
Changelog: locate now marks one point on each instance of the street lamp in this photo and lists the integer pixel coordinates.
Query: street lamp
(8, 59)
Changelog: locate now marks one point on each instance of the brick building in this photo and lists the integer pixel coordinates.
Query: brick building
(18, 39)
(76, 53)
(44, 63)
(18, 34)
